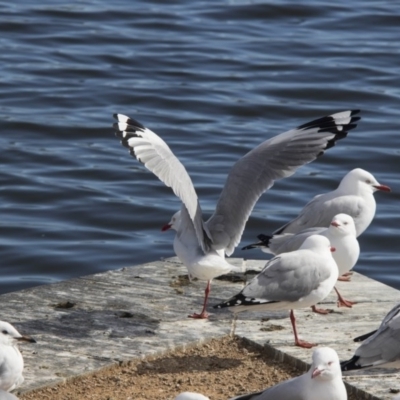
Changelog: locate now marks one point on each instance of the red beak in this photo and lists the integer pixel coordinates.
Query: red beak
(384, 188)
(166, 227)
(315, 373)
(333, 249)
(334, 223)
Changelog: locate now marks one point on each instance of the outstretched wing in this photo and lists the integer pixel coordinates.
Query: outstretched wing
(154, 153)
(276, 158)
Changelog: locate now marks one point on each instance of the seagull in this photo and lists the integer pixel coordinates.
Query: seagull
(380, 348)
(292, 280)
(201, 246)
(11, 361)
(323, 381)
(342, 235)
(354, 196)
(189, 396)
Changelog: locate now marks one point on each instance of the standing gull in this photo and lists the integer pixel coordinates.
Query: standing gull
(354, 196)
(380, 348)
(342, 235)
(298, 279)
(202, 246)
(11, 361)
(323, 381)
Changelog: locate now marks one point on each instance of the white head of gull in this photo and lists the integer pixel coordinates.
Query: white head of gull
(11, 361)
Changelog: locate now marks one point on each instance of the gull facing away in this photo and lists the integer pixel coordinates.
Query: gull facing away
(354, 196)
(190, 396)
(298, 279)
(11, 361)
(323, 381)
(380, 348)
(201, 246)
(342, 235)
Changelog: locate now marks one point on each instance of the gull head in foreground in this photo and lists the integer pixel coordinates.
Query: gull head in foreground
(323, 381)
(202, 245)
(12, 363)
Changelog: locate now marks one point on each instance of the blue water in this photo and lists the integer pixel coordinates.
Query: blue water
(214, 79)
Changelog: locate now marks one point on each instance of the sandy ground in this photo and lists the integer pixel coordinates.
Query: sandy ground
(220, 369)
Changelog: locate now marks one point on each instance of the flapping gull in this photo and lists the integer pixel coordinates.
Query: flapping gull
(11, 361)
(354, 196)
(342, 235)
(380, 348)
(323, 381)
(298, 279)
(190, 396)
(201, 246)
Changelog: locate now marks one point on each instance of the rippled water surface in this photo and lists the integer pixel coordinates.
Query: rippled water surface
(214, 79)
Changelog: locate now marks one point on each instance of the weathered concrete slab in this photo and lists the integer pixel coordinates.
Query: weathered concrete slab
(335, 330)
(139, 311)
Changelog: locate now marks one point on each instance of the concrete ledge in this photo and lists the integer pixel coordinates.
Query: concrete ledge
(140, 311)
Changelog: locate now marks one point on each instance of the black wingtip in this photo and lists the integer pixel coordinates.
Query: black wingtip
(334, 123)
(241, 300)
(264, 239)
(133, 123)
(350, 365)
(252, 246)
(363, 337)
(237, 300)
(263, 242)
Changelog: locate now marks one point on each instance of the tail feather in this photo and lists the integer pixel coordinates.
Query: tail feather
(351, 364)
(363, 337)
(233, 301)
(264, 239)
(253, 246)
(241, 300)
(264, 242)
